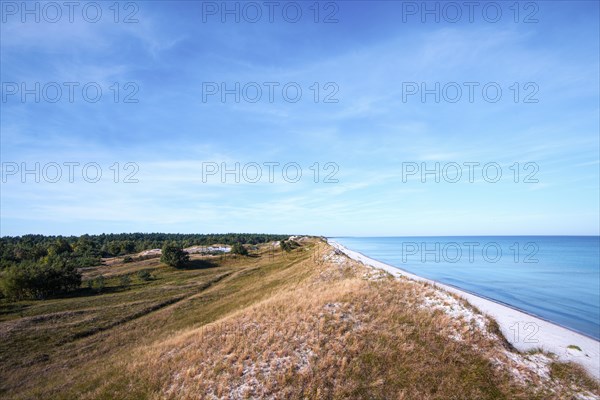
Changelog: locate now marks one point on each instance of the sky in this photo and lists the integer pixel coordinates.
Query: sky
(347, 118)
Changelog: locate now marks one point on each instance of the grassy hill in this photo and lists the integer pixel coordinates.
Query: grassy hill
(310, 323)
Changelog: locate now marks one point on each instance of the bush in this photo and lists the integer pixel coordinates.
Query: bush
(14, 283)
(38, 281)
(127, 259)
(289, 245)
(99, 283)
(174, 256)
(125, 281)
(83, 262)
(239, 248)
(144, 275)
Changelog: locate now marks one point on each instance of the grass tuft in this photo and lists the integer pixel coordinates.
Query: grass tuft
(574, 375)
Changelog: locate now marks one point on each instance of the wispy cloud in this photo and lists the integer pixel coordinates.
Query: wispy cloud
(368, 133)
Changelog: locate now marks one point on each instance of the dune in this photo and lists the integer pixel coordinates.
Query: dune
(535, 333)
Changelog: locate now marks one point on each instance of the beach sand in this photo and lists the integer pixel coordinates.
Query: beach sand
(524, 331)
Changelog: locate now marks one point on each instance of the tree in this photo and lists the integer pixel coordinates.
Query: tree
(14, 283)
(40, 280)
(239, 248)
(174, 256)
(61, 246)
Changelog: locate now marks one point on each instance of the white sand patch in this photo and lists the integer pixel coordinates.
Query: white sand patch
(452, 307)
(335, 257)
(151, 252)
(207, 249)
(372, 274)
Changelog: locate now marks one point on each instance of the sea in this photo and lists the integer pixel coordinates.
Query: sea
(556, 278)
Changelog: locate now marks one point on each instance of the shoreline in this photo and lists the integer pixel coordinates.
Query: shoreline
(545, 335)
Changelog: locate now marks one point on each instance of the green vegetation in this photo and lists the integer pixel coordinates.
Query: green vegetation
(289, 245)
(239, 248)
(124, 281)
(39, 281)
(37, 266)
(144, 275)
(66, 348)
(574, 375)
(88, 249)
(52, 276)
(174, 256)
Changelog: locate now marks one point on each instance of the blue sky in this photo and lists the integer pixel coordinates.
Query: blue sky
(369, 58)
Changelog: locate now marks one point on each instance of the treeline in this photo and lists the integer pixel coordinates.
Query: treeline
(88, 249)
(42, 269)
(39, 266)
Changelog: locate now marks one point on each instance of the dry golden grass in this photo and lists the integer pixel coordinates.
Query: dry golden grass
(308, 325)
(336, 335)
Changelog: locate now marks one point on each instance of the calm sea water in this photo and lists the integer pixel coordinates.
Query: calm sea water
(554, 277)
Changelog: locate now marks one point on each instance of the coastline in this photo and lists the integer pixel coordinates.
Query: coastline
(536, 333)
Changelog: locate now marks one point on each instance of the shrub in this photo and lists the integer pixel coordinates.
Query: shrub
(144, 275)
(239, 248)
(99, 283)
(127, 259)
(14, 283)
(39, 280)
(174, 256)
(289, 245)
(125, 281)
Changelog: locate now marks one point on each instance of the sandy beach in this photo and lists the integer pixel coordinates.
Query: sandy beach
(524, 331)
